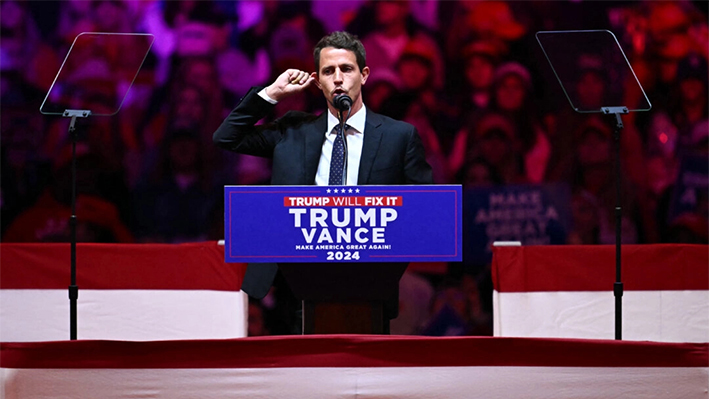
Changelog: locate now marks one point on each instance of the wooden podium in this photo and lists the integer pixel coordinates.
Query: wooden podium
(345, 298)
(342, 250)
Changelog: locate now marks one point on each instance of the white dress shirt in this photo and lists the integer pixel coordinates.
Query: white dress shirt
(354, 137)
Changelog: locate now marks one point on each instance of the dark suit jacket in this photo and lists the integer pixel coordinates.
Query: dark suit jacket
(392, 153)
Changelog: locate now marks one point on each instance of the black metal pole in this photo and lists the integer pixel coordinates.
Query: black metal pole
(73, 288)
(618, 286)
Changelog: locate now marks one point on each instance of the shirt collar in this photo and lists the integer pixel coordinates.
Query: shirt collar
(356, 121)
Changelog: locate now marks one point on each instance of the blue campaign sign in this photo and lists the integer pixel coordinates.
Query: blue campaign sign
(343, 224)
(690, 191)
(530, 214)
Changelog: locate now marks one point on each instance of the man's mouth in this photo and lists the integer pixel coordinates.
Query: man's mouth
(339, 91)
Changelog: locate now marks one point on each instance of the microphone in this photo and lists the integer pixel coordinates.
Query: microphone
(342, 102)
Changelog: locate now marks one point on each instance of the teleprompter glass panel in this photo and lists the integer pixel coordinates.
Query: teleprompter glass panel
(97, 73)
(593, 70)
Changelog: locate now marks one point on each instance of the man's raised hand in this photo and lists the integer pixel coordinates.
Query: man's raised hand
(289, 82)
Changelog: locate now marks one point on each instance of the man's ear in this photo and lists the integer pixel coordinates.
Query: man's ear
(315, 76)
(365, 74)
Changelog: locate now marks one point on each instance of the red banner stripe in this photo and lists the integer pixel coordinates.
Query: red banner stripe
(120, 266)
(592, 267)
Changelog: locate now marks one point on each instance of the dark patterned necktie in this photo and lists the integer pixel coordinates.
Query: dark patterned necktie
(337, 159)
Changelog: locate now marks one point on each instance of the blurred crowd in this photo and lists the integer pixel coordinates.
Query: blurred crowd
(469, 75)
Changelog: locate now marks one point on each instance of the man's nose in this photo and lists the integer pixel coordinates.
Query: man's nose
(338, 75)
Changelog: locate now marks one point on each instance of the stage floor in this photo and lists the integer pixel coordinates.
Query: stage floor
(355, 366)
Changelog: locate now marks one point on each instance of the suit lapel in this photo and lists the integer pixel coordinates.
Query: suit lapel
(370, 145)
(314, 138)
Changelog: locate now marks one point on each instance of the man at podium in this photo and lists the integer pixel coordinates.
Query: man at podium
(306, 149)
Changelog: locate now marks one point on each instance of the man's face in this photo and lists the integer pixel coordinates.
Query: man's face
(414, 72)
(594, 148)
(339, 74)
(479, 72)
(390, 12)
(511, 93)
(591, 90)
(692, 90)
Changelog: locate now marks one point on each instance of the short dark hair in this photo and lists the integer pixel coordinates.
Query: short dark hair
(341, 40)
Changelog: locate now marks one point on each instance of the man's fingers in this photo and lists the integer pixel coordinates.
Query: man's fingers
(298, 77)
(306, 80)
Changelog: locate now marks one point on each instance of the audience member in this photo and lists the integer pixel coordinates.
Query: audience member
(256, 320)
(590, 89)
(479, 63)
(691, 106)
(482, 20)
(417, 102)
(75, 16)
(591, 94)
(98, 202)
(669, 132)
(24, 171)
(381, 85)
(477, 172)
(23, 50)
(110, 16)
(176, 206)
(394, 28)
(512, 96)
(336, 15)
(415, 295)
(457, 310)
(494, 139)
(688, 228)
(593, 180)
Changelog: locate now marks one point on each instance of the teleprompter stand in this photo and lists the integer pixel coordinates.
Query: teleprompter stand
(93, 80)
(618, 285)
(73, 288)
(570, 53)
